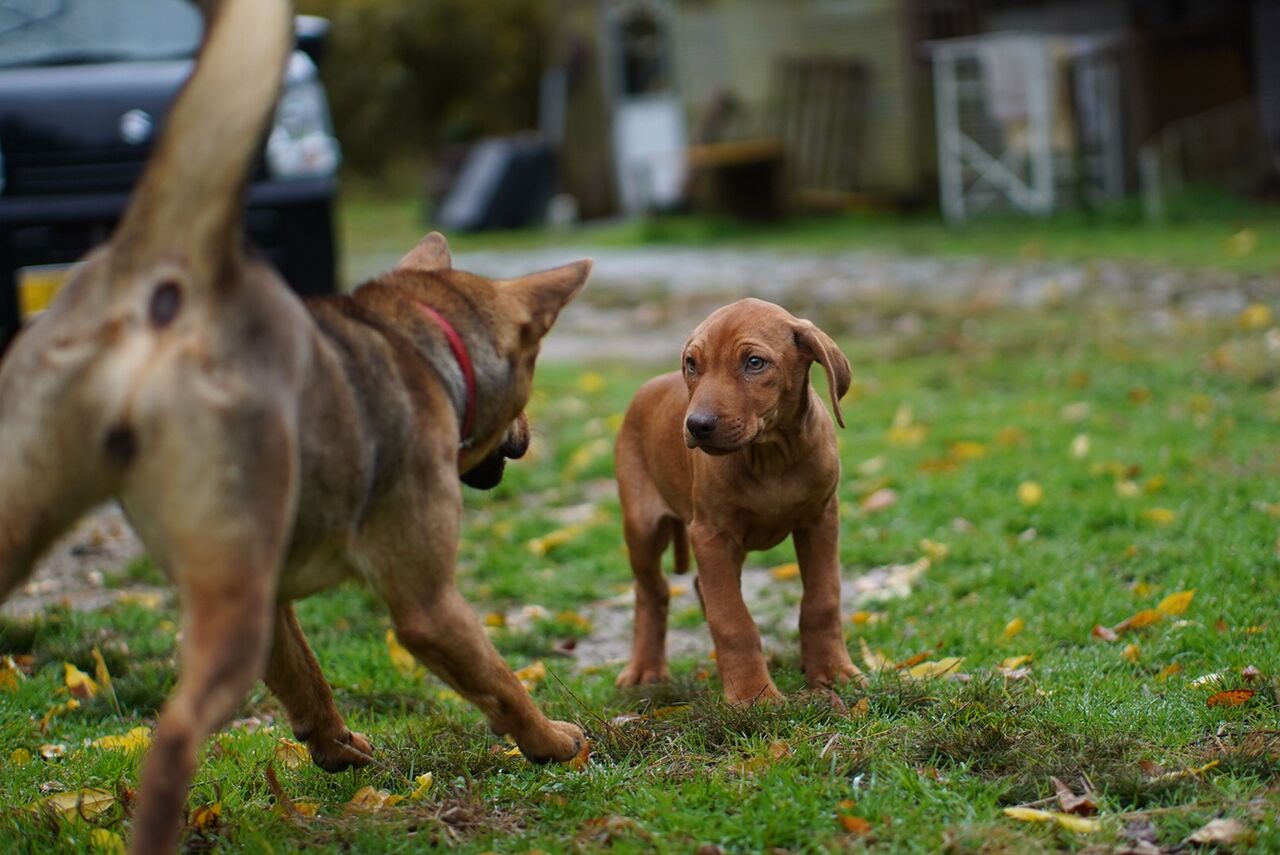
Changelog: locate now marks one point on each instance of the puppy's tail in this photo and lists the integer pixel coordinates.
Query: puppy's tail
(680, 546)
(189, 204)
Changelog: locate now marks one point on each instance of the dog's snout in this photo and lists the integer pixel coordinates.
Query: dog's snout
(701, 423)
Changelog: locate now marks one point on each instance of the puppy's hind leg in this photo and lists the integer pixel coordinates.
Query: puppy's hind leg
(647, 528)
(647, 538)
(294, 676)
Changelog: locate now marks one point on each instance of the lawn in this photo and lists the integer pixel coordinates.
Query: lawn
(1062, 470)
(1203, 228)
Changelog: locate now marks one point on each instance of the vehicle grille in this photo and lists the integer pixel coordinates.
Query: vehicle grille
(81, 172)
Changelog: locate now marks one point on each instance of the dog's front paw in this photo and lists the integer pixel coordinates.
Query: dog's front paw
(558, 741)
(642, 673)
(341, 753)
(766, 694)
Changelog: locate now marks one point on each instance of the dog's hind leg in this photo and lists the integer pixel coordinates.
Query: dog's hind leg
(213, 502)
(294, 676)
(51, 469)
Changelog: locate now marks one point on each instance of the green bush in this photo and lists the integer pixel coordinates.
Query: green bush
(406, 76)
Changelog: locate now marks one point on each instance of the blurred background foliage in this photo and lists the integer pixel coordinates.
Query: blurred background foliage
(406, 78)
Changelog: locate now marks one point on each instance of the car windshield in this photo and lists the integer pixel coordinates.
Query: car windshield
(65, 32)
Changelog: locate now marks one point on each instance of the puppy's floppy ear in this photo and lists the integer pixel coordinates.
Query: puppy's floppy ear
(818, 347)
(545, 294)
(431, 253)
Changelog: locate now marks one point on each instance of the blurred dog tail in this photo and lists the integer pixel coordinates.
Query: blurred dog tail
(189, 206)
(680, 545)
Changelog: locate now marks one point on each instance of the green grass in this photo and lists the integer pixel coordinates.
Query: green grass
(1185, 420)
(1203, 229)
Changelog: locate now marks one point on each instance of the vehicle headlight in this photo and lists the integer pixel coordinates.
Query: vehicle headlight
(301, 144)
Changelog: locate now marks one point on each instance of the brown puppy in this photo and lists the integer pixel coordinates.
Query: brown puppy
(737, 449)
(264, 452)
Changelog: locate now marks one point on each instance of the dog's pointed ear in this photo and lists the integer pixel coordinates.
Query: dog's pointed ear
(431, 253)
(190, 202)
(818, 347)
(545, 294)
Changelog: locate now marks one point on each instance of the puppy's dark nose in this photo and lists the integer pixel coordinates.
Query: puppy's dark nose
(701, 423)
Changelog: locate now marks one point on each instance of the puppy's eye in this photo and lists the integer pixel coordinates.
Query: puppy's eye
(690, 367)
(755, 363)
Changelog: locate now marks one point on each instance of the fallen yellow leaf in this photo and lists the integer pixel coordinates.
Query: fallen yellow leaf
(854, 824)
(540, 546)
(1168, 671)
(106, 840)
(422, 784)
(401, 658)
(861, 617)
(930, 670)
(206, 817)
(20, 757)
(100, 672)
(785, 571)
(1030, 493)
(79, 684)
(76, 804)
(496, 620)
(531, 675)
(10, 675)
(136, 739)
(1176, 604)
(53, 751)
(1141, 620)
(1130, 653)
(1014, 627)
(1080, 446)
(875, 661)
(965, 451)
(1015, 661)
(291, 754)
(1159, 516)
(1256, 316)
(1071, 822)
(591, 382)
(933, 550)
(368, 799)
(56, 710)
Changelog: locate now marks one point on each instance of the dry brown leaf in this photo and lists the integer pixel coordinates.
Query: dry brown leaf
(1230, 698)
(10, 675)
(861, 709)
(1084, 805)
(1250, 673)
(854, 824)
(1221, 832)
(580, 760)
(1168, 671)
(1104, 633)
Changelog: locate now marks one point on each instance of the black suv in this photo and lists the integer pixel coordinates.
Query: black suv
(84, 88)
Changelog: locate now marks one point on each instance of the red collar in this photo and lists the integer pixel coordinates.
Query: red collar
(464, 362)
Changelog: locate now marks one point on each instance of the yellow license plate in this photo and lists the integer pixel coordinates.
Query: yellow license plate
(37, 287)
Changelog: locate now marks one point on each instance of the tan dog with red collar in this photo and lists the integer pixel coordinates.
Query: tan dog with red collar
(738, 451)
(265, 450)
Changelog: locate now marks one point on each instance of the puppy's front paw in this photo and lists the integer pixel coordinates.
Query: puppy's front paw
(341, 753)
(559, 741)
(836, 671)
(642, 673)
(765, 695)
